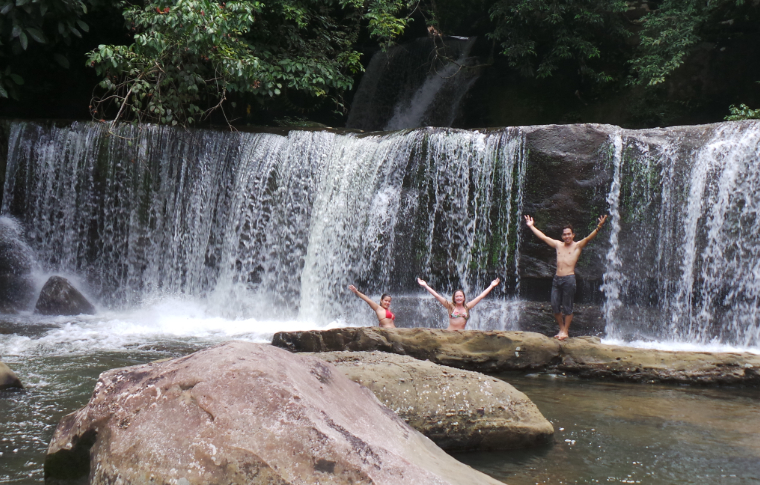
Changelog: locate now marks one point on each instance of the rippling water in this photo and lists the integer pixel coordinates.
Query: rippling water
(634, 433)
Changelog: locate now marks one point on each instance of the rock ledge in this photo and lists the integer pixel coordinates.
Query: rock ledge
(494, 352)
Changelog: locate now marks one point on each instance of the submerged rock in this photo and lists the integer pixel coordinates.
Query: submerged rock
(59, 297)
(507, 351)
(457, 409)
(243, 413)
(8, 379)
(16, 260)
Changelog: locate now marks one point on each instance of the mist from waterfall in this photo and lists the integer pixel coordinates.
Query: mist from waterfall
(269, 226)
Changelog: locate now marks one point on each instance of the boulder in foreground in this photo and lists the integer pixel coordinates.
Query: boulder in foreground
(8, 379)
(59, 297)
(242, 413)
(459, 410)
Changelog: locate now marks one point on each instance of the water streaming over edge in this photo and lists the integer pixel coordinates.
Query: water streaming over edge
(688, 270)
(260, 224)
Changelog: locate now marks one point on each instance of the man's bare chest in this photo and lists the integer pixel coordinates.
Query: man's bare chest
(565, 254)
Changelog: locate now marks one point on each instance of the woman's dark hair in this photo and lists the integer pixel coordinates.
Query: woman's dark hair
(568, 226)
(383, 296)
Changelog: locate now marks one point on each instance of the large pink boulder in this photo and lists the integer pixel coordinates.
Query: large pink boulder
(243, 413)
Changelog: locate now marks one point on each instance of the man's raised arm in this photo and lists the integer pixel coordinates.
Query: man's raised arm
(551, 242)
(594, 233)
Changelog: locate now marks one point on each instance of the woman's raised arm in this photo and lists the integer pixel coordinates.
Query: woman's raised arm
(364, 297)
(438, 297)
(477, 299)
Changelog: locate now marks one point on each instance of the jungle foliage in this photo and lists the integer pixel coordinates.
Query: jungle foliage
(538, 36)
(48, 23)
(189, 55)
(186, 58)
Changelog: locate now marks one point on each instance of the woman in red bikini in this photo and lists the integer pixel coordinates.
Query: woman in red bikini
(384, 315)
(458, 310)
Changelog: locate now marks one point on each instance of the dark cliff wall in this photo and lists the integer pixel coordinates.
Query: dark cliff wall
(567, 180)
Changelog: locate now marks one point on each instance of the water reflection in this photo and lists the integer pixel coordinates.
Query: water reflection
(634, 433)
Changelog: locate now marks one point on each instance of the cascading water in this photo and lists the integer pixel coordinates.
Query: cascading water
(413, 85)
(687, 265)
(266, 225)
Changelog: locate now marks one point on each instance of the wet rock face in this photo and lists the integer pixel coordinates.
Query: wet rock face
(459, 410)
(509, 351)
(565, 183)
(59, 297)
(16, 260)
(8, 379)
(242, 413)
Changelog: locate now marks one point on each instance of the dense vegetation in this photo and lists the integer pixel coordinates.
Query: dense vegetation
(236, 61)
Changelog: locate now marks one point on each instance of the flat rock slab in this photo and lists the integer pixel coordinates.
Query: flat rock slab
(470, 349)
(588, 357)
(8, 379)
(457, 409)
(494, 352)
(242, 413)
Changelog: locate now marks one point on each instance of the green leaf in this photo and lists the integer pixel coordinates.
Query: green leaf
(83, 26)
(24, 41)
(21, 2)
(43, 9)
(3, 92)
(17, 79)
(64, 63)
(36, 35)
(7, 8)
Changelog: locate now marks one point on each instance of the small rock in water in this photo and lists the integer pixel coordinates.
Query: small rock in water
(8, 380)
(59, 297)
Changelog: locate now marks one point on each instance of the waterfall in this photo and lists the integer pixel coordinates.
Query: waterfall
(686, 266)
(263, 224)
(413, 85)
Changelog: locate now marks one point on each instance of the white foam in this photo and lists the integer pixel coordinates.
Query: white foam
(681, 346)
(171, 321)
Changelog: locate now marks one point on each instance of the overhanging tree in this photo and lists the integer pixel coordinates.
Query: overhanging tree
(189, 55)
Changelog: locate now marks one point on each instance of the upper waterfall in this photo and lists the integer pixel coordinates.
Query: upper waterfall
(416, 84)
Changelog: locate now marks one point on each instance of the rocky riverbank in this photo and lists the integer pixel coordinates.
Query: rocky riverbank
(494, 352)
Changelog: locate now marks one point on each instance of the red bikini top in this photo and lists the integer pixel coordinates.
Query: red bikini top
(390, 315)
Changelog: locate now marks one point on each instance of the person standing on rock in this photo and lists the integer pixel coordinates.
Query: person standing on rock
(458, 310)
(385, 318)
(563, 284)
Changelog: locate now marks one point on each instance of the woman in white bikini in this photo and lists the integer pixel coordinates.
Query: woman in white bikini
(385, 317)
(458, 310)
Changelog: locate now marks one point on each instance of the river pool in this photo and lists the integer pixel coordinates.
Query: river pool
(605, 432)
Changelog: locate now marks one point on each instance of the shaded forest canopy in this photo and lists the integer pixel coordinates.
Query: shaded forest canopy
(631, 63)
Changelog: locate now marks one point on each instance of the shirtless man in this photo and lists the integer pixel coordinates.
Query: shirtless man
(563, 285)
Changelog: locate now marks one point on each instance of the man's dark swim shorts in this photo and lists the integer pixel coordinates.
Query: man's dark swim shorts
(563, 294)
